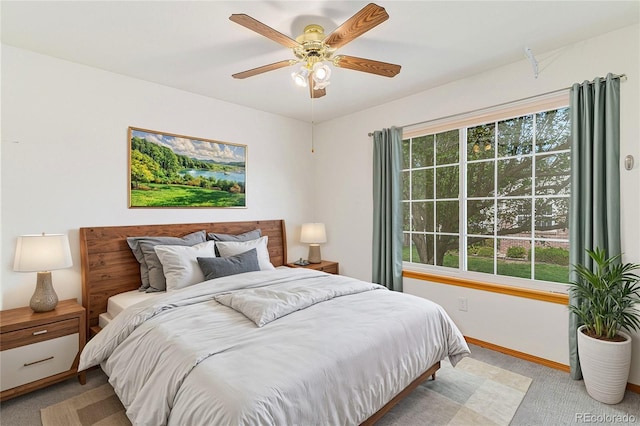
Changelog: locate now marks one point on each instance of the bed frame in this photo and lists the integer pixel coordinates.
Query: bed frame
(109, 268)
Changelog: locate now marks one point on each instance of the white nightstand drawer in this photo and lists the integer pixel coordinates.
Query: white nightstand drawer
(29, 363)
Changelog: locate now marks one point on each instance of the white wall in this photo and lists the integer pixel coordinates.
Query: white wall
(343, 145)
(65, 165)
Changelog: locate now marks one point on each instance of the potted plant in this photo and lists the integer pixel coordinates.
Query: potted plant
(605, 306)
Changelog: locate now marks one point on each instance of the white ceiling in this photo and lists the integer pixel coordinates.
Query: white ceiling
(193, 46)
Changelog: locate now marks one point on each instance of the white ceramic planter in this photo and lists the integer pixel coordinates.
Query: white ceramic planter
(605, 366)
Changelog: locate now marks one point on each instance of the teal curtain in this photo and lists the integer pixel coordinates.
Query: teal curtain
(387, 208)
(594, 214)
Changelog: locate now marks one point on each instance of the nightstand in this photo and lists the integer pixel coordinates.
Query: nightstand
(39, 349)
(325, 266)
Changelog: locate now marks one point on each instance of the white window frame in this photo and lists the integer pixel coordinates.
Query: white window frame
(507, 111)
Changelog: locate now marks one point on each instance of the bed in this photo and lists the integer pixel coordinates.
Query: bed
(276, 346)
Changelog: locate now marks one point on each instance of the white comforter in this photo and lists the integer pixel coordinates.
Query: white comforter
(319, 349)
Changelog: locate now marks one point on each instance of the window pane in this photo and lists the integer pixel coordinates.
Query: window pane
(551, 218)
(447, 216)
(447, 251)
(405, 185)
(447, 182)
(422, 184)
(406, 247)
(515, 136)
(423, 216)
(480, 178)
(447, 147)
(514, 177)
(422, 151)
(480, 217)
(513, 258)
(480, 142)
(423, 248)
(406, 216)
(514, 217)
(553, 174)
(480, 255)
(553, 130)
(552, 261)
(406, 153)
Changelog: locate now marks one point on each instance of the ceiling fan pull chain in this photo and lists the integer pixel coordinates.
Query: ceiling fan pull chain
(313, 149)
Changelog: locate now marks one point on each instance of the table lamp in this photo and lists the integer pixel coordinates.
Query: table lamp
(314, 234)
(42, 254)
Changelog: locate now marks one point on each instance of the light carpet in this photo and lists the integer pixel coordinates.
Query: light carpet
(473, 393)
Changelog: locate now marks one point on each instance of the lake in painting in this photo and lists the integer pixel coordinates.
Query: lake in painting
(232, 176)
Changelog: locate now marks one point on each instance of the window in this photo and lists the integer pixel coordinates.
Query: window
(490, 197)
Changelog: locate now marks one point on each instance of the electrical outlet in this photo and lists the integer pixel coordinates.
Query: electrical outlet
(462, 304)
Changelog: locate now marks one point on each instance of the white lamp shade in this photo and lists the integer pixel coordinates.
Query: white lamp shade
(313, 233)
(44, 252)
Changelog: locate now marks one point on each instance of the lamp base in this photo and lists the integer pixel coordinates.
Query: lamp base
(44, 299)
(314, 253)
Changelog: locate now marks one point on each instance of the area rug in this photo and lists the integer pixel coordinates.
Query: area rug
(97, 407)
(473, 393)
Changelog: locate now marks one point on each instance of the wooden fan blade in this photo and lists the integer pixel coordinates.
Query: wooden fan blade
(264, 68)
(367, 65)
(367, 18)
(315, 93)
(262, 29)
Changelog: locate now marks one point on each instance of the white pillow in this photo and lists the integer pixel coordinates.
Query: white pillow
(232, 248)
(180, 263)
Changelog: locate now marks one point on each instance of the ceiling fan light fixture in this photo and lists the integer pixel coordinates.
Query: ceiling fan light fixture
(321, 74)
(300, 77)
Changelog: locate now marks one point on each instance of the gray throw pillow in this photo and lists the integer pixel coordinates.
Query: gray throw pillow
(216, 267)
(149, 255)
(247, 236)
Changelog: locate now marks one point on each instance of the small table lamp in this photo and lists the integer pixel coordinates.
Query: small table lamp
(314, 234)
(42, 254)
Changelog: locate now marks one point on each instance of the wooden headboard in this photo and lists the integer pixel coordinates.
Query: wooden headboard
(109, 267)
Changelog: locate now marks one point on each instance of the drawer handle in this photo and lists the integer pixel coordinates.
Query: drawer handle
(26, 364)
(37, 333)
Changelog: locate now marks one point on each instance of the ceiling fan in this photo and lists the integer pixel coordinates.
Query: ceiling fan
(312, 49)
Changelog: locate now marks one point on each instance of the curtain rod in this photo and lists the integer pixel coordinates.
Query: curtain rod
(622, 77)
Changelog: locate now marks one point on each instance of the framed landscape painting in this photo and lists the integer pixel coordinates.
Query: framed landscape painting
(168, 170)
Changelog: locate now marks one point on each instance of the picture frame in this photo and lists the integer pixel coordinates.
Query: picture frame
(168, 170)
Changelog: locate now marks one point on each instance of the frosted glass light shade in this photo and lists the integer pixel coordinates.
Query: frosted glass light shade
(43, 252)
(321, 74)
(313, 233)
(301, 77)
